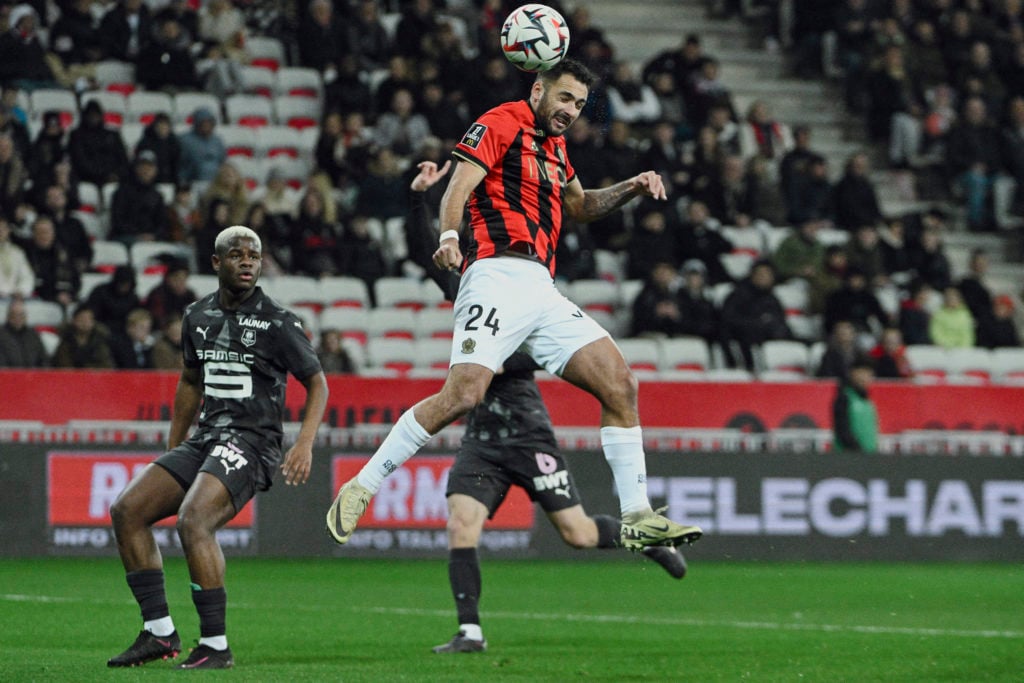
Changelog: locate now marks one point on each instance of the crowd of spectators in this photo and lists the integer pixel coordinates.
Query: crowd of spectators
(750, 200)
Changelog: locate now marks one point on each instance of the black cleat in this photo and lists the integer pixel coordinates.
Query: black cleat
(205, 657)
(146, 648)
(460, 643)
(668, 557)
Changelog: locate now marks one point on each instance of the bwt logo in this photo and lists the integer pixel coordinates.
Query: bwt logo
(230, 456)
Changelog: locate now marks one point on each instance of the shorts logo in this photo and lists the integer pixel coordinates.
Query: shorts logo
(468, 346)
(474, 135)
(546, 463)
(248, 337)
(230, 456)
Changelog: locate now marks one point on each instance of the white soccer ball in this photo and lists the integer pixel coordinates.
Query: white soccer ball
(535, 38)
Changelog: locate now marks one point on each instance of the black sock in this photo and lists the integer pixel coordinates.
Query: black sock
(212, 606)
(464, 576)
(148, 588)
(609, 531)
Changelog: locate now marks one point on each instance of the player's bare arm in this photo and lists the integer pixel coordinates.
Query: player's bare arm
(584, 206)
(464, 180)
(187, 397)
(299, 458)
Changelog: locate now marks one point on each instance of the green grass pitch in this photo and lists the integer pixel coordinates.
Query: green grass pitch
(363, 620)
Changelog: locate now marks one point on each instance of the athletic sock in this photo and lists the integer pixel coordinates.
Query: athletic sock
(212, 605)
(148, 588)
(624, 451)
(405, 438)
(464, 576)
(609, 531)
(472, 631)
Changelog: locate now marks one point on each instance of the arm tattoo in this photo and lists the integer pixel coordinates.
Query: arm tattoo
(600, 203)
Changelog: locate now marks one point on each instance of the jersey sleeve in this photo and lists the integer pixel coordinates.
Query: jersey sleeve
(188, 347)
(487, 140)
(297, 352)
(570, 172)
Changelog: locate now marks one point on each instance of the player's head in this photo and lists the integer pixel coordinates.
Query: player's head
(237, 258)
(559, 94)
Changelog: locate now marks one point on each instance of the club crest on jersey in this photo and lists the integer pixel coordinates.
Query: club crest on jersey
(474, 135)
(468, 345)
(248, 337)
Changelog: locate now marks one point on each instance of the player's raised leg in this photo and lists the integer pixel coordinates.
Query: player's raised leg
(150, 497)
(600, 369)
(466, 517)
(463, 389)
(207, 507)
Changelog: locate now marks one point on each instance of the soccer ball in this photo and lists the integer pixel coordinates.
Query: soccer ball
(534, 38)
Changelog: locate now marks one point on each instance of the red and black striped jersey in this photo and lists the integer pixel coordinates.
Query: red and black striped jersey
(520, 199)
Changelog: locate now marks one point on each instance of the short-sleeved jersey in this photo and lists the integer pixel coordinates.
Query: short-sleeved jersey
(244, 357)
(511, 415)
(520, 199)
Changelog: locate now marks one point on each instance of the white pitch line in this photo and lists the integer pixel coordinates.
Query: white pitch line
(597, 618)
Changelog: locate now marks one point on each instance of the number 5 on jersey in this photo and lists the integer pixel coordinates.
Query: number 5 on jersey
(476, 311)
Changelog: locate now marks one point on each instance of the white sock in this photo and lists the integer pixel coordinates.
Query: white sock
(216, 642)
(404, 440)
(472, 631)
(624, 451)
(159, 627)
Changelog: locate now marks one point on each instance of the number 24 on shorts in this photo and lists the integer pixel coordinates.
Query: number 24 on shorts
(476, 311)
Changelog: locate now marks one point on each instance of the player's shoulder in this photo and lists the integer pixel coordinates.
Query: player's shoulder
(201, 306)
(271, 310)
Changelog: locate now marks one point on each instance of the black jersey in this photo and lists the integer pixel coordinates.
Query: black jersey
(512, 413)
(244, 357)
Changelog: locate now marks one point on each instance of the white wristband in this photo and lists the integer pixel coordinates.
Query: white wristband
(448, 235)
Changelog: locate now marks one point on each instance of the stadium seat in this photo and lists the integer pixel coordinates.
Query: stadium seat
(116, 76)
(434, 323)
(89, 198)
(275, 141)
(628, 291)
(265, 52)
(146, 283)
(720, 292)
(239, 140)
(252, 170)
(1008, 366)
(794, 296)
(594, 295)
(353, 323)
(44, 315)
(929, 363)
(737, 264)
(815, 352)
(107, 255)
(294, 171)
(114, 106)
(258, 81)
(146, 256)
(202, 283)
(684, 353)
(293, 290)
(435, 354)
(972, 362)
(131, 133)
(310, 321)
(94, 227)
(640, 354)
(91, 281)
(748, 241)
(804, 327)
(432, 296)
(144, 106)
(611, 265)
(728, 375)
(186, 103)
(249, 110)
(782, 355)
(50, 340)
(399, 292)
(391, 323)
(297, 112)
(344, 292)
(833, 237)
(54, 99)
(392, 354)
(299, 82)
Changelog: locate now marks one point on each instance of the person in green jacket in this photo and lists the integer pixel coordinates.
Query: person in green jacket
(952, 326)
(854, 415)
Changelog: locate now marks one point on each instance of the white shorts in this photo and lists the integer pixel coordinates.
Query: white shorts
(507, 304)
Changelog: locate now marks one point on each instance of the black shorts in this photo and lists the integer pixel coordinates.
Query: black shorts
(486, 474)
(245, 465)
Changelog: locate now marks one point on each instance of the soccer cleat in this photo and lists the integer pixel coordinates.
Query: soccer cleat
(346, 510)
(146, 648)
(643, 529)
(205, 657)
(669, 558)
(460, 643)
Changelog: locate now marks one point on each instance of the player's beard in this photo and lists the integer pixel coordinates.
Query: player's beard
(545, 114)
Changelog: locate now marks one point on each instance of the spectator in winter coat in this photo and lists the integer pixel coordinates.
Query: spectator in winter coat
(656, 309)
(952, 326)
(999, 329)
(166, 63)
(83, 343)
(172, 295)
(126, 29)
(16, 276)
(159, 138)
(20, 344)
(22, 54)
(697, 312)
(854, 415)
(752, 315)
(890, 356)
(138, 212)
(202, 150)
(112, 301)
(97, 153)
